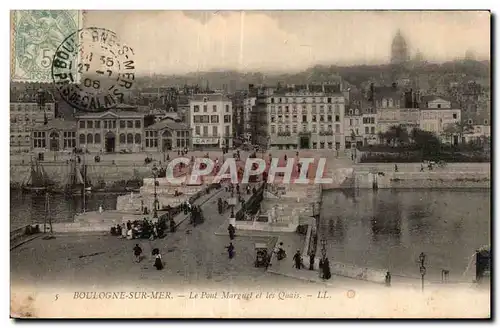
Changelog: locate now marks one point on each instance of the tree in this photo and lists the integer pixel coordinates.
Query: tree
(427, 142)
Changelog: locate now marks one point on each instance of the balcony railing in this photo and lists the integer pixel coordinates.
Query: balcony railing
(284, 134)
(326, 133)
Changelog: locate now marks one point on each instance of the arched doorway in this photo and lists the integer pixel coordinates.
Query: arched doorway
(166, 141)
(110, 142)
(54, 141)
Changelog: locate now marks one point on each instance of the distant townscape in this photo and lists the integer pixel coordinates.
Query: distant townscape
(326, 109)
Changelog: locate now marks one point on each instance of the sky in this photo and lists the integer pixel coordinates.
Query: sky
(177, 42)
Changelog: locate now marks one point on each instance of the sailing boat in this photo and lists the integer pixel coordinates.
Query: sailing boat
(78, 182)
(38, 181)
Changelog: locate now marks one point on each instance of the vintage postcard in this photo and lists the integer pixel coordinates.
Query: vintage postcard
(250, 164)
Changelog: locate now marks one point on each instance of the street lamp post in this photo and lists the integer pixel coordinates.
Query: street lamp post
(323, 248)
(155, 174)
(421, 258)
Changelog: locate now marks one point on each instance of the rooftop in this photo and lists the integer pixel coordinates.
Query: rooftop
(119, 113)
(57, 124)
(169, 124)
(210, 97)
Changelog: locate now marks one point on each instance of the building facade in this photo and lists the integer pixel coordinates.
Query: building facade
(25, 114)
(111, 131)
(248, 105)
(167, 135)
(302, 117)
(56, 135)
(211, 117)
(437, 115)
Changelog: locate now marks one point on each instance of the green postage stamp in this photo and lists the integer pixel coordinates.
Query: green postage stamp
(35, 36)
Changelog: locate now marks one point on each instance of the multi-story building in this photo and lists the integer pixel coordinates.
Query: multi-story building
(110, 131)
(26, 112)
(353, 127)
(369, 128)
(300, 117)
(211, 121)
(248, 105)
(436, 113)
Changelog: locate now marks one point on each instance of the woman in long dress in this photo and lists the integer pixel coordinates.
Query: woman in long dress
(158, 263)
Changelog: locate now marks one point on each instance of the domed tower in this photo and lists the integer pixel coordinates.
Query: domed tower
(399, 50)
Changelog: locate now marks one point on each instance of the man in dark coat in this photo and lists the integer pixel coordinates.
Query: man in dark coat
(231, 230)
(298, 260)
(230, 250)
(137, 253)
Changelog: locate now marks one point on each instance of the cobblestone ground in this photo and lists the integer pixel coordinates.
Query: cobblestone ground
(192, 256)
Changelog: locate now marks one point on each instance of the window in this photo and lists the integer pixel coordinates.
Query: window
(130, 124)
(130, 138)
(227, 108)
(39, 139)
(205, 131)
(314, 118)
(367, 130)
(138, 138)
(330, 145)
(137, 124)
(314, 128)
(322, 145)
(214, 108)
(227, 130)
(272, 100)
(373, 129)
(106, 124)
(215, 133)
(196, 108)
(90, 138)
(214, 118)
(350, 121)
(329, 100)
(90, 124)
(454, 115)
(205, 99)
(114, 124)
(122, 138)
(82, 139)
(151, 139)
(330, 127)
(337, 128)
(69, 139)
(97, 138)
(294, 118)
(197, 130)
(82, 124)
(273, 119)
(329, 118)
(485, 122)
(294, 129)
(205, 108)
(470, 121)
(439, 105)
(227, 118)
(97, 124)
(273, 129)
(122, 124)
(321, 118)
(315, 144)
(304, 118)
(337, 118)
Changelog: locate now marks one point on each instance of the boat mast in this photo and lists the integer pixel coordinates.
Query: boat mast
(84, 178)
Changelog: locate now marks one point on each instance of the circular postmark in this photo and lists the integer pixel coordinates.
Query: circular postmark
(93, 70)
(351, 293)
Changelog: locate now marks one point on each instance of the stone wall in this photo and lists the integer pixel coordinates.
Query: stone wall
(111, 175)
(422, 180)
